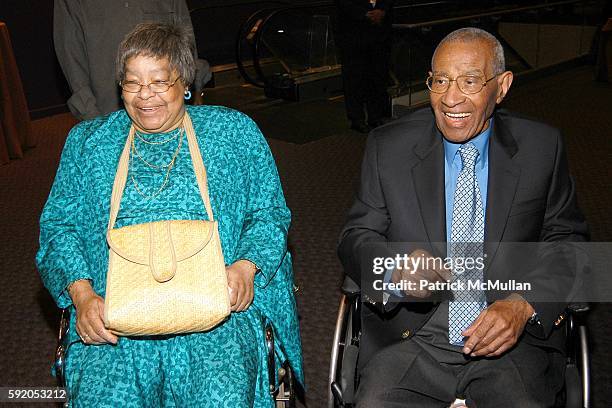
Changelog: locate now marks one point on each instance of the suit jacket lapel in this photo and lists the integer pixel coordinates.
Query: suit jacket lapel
(428, 178)
(503, 180)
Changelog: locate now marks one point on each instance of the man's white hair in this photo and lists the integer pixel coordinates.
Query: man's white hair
(470, 34)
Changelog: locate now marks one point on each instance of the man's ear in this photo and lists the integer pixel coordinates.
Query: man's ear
(504, 81)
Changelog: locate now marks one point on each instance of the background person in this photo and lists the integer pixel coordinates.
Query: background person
(86, 34)
(225, 366)
(364, 39)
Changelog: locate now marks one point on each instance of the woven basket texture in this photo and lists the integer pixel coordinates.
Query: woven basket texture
(165, 277)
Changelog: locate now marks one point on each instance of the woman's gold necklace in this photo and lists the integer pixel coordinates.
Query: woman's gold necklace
(171, 138)
(153, 166)
(169, 166)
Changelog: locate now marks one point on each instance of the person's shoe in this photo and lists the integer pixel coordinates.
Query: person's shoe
(360, 127)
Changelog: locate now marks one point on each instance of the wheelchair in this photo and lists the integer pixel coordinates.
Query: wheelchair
(281, 383)
(345, 351)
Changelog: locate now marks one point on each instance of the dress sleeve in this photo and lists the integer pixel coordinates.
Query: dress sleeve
(61, 256)
(71, 53)
(263, 239)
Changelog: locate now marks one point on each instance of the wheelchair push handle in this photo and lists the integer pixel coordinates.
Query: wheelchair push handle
(349, 287)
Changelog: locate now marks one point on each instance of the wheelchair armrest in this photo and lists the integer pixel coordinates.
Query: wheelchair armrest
(578, 308)
(349, 287)
(576, 315)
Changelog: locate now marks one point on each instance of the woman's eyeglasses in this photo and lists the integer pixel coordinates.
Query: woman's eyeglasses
(156, 86)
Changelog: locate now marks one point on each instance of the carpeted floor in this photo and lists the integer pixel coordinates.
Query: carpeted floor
(319, 179)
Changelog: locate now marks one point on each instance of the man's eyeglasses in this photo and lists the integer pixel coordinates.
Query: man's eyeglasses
(468, 84)
(156, 86)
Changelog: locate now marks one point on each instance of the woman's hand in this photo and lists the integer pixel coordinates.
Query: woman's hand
(90, 314)
(240, 278)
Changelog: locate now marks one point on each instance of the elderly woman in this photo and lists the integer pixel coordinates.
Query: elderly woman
(224, 366)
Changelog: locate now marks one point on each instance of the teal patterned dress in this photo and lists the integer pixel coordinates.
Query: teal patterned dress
(225, 366)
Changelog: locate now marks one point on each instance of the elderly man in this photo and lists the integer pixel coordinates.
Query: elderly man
(462, 171)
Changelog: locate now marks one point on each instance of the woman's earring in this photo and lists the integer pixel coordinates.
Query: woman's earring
(187, 94)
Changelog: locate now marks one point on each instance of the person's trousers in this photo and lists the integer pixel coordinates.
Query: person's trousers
(601, 65)
(365, 71)
(410, 374)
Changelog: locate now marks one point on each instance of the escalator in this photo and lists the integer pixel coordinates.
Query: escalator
(290, 51)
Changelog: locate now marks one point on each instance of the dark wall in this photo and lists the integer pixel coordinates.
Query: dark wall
(30, 24)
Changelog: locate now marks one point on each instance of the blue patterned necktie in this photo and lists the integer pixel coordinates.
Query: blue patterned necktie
(467, 236)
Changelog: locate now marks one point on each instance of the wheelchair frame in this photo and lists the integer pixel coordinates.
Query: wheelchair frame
(343, 364)
(281, 384)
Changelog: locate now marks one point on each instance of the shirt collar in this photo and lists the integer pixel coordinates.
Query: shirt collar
(481, 142)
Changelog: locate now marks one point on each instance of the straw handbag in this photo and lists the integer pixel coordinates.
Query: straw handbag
(165, 277)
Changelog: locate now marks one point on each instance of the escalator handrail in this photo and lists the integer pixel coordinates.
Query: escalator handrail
(280, 3)
(486, 14)
(412, 6)
(244, 29)
(260, 80)
(260, 31)
(237, 48)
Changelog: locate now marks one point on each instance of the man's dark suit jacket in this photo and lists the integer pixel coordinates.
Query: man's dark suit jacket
(531, 198)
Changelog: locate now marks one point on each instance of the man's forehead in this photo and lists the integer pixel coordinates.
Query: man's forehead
(465, 57)
(467, 70)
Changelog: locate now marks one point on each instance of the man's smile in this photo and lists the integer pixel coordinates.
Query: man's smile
(458, 115)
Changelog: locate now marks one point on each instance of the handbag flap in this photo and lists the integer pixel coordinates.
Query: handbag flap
(161, 244)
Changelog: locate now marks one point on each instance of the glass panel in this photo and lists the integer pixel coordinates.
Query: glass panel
(299, 41)
(322, 44)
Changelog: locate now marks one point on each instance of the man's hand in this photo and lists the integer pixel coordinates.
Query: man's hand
(240, 278)
(376, 16)
(422, 271)
(90, 314)
(498, 327)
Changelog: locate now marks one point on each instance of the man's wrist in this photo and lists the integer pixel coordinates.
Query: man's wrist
(529, 312)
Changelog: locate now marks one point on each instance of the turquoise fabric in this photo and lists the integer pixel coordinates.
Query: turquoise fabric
(225, 366)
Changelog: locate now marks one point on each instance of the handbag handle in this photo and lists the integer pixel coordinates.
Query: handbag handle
(123, 167)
